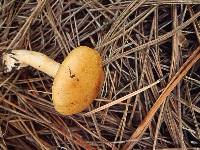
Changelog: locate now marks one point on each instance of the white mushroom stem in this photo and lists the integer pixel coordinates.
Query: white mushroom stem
(22, 58)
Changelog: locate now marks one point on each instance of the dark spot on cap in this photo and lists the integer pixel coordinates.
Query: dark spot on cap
(70, 73)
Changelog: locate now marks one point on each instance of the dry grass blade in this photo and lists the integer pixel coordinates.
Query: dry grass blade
(170, 86)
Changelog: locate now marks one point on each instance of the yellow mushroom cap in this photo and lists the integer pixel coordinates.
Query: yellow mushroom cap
(78, 81)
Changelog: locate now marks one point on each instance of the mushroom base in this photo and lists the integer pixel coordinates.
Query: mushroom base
(17, 59)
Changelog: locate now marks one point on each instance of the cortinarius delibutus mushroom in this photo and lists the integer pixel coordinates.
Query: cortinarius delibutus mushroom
(77, 80)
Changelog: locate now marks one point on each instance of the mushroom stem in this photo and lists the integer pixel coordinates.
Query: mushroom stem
(22, 58)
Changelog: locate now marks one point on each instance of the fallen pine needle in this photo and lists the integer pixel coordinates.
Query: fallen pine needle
(171, 85)
(122, 98)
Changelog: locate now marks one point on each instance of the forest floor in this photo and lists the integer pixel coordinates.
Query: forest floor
(150, 98)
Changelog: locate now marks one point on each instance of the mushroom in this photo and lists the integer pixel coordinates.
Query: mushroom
(77, 80)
